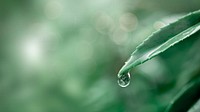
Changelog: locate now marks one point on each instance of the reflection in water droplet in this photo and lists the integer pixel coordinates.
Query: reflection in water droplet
(124, 79)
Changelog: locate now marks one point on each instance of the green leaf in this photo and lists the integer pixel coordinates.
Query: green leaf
(163, 39)
(195, 107)
(184, 100)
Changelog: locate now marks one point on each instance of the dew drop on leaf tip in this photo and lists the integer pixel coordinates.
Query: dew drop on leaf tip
(124, 79)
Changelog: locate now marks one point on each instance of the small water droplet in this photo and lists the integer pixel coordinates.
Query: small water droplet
(124, 79)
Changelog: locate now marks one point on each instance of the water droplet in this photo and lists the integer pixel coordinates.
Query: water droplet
(124, 79)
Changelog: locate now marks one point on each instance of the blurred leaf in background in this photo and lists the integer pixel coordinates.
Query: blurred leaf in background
(64, 55)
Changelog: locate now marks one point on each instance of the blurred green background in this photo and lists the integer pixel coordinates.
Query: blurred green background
(64, 55)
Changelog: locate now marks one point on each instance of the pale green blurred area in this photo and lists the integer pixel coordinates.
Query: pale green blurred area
(64, 55)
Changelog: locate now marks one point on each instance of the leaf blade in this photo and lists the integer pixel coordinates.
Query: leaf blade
(195, 107)
(187, 97)
(163, 39)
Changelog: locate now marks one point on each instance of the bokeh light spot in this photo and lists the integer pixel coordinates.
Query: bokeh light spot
(128, 22)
